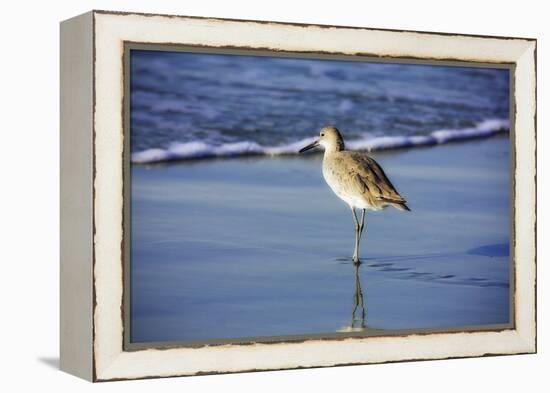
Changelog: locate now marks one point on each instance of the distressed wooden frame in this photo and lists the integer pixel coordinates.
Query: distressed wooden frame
(92, 194)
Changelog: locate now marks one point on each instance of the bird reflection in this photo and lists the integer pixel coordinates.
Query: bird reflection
(358, 312)
(358, 319)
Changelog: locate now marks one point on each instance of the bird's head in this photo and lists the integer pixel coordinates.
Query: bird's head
(330, 138)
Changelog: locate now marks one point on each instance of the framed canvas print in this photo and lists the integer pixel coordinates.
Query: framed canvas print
(247, 195)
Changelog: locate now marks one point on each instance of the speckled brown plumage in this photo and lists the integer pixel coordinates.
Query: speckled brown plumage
(354, 176)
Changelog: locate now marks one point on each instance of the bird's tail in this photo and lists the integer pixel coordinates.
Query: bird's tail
(398, 203)
(401, 206)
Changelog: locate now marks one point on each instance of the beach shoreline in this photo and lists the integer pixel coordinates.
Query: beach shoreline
(180, 152)
(259, 246)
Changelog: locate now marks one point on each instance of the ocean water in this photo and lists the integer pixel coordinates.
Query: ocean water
(260, 246)
(194, 105)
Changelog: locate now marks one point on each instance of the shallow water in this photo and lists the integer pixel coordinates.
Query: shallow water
(189, 104)
(261, 247)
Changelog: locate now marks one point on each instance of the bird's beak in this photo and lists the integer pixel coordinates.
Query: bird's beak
(310, 146)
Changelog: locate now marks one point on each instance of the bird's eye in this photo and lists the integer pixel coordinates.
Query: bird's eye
(322, 134)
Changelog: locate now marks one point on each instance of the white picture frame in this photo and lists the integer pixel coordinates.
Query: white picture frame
(93, 189)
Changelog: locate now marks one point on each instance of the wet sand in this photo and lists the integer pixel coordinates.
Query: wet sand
(261, 247)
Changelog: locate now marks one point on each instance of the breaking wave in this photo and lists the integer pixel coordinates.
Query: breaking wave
(193, 150)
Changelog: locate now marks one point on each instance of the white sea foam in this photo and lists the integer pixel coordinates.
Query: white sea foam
(193, 150)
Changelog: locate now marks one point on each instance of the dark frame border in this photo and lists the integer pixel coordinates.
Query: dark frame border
(231, 50)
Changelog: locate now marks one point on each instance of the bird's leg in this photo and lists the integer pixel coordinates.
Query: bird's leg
(355, 257)
(358, 281)
(362, 224)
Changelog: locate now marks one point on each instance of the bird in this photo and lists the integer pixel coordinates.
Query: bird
(356, 178)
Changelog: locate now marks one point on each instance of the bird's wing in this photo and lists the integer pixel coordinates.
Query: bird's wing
(370, 178)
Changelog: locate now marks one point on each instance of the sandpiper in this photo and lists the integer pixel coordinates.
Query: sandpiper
(355, 178)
